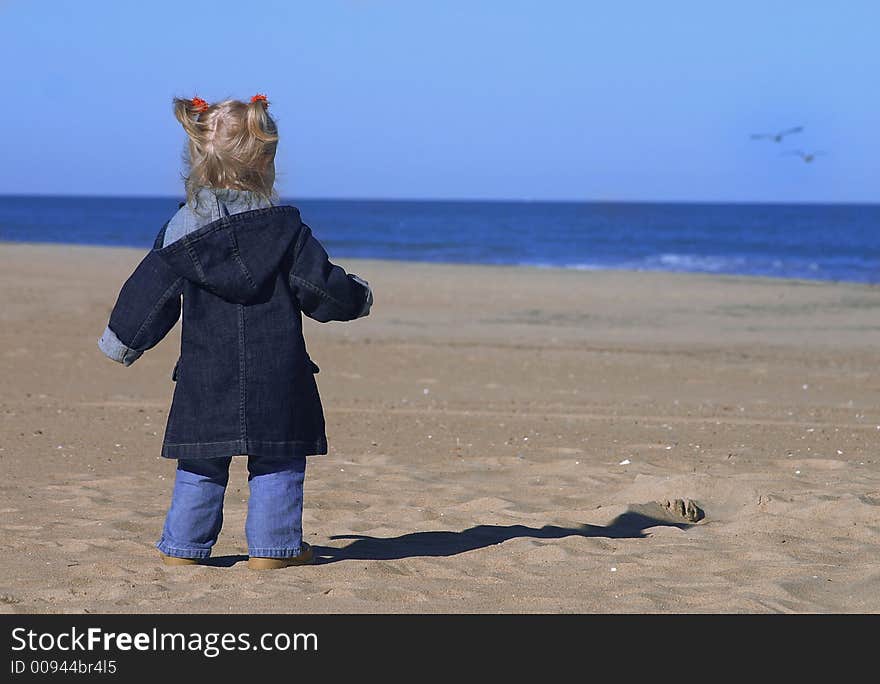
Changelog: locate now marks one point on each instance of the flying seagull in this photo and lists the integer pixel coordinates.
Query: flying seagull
(806, 156)
(777, 137)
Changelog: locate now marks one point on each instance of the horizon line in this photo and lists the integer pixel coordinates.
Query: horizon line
(466, 200)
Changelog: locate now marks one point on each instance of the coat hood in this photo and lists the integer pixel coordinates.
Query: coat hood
(235, 256)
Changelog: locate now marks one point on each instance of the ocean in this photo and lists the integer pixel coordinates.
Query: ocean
(812, 241)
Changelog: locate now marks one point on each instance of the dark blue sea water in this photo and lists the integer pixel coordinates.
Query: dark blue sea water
(824, 242)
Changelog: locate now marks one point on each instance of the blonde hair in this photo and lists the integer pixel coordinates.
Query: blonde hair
(231, 144)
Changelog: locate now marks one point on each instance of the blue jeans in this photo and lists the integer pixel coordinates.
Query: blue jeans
(274, 517)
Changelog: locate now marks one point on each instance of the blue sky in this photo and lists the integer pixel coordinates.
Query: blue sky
(453, 99)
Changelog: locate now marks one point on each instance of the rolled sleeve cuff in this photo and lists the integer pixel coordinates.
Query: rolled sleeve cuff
(114, 348)
(368, 302)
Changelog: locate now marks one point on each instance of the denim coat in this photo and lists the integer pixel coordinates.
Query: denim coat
(245, 382)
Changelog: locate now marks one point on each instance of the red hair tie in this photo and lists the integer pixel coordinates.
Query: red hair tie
(259, 97)
(199, 105)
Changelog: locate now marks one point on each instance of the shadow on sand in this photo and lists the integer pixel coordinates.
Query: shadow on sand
(223, 561)
(629, 525)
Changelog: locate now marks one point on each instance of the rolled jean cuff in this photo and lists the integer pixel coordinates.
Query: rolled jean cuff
(274, 553)
(116, 349)
(368, 301)
(179, 552)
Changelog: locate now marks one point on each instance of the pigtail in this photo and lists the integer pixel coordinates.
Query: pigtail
(187, 112)
(259, 124)
(190, 114)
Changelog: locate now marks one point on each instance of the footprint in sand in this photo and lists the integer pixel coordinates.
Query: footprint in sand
(686, 509)
(674, 511)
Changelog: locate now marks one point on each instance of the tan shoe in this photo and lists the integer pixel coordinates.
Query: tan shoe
(305, 557)
(174, 560)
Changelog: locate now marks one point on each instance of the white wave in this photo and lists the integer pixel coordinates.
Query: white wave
(696, 262)
(733, 265)
(574, 266)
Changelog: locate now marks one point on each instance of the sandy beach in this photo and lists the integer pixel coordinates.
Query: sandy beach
(502, 440)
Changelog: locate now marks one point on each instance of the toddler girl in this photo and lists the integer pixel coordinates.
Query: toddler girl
(245, 269)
